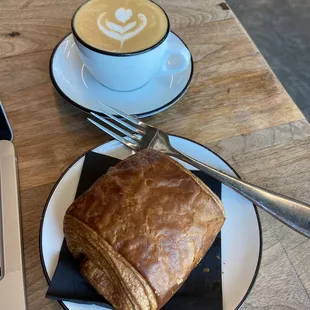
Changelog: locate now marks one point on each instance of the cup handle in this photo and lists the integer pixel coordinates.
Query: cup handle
(182, 59)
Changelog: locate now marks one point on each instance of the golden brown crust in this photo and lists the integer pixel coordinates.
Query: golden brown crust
(110, 273)
(152, 214)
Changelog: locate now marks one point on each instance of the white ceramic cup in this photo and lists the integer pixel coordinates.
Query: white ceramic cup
(129, 71)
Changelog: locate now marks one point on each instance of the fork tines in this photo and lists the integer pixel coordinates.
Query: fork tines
(131, 127)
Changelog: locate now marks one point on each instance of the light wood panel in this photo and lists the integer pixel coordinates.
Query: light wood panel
(33, 26)
(235, 105)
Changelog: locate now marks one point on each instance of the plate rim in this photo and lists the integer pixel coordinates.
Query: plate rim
(177, 136)
(140, 115)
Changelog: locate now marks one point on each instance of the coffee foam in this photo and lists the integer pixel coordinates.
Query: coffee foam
(122, 26)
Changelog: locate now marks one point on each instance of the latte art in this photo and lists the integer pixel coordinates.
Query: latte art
(121, 33)
(120, 25)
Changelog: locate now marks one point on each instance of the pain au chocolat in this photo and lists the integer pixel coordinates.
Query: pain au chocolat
(141, 229)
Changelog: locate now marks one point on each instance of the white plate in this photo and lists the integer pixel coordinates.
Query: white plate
(241, 233)
(78, 87)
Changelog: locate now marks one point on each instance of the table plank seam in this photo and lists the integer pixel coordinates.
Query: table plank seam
(293, 267)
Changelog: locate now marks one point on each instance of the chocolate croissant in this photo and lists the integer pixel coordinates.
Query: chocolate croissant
(141, 229)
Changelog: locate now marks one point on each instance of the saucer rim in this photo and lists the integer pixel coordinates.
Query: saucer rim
(140, 115)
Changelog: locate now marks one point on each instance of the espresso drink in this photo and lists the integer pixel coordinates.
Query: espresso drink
(122, 26)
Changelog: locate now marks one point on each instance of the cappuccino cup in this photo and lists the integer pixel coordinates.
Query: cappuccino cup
(124, 43)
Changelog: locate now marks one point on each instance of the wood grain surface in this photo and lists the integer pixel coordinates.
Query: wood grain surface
(235, 105)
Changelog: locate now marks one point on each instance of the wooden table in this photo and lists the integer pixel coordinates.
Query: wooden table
(235, 105)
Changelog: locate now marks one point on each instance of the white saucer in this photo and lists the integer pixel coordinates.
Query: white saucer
(241, 233)
(77, 86)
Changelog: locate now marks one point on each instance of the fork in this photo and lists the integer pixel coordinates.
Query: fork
(138, 135)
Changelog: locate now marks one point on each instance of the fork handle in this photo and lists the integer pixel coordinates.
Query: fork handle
(293, 213)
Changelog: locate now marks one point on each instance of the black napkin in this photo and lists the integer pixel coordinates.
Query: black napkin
(201, 291)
